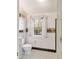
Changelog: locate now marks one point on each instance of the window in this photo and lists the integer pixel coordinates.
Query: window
(37, 27)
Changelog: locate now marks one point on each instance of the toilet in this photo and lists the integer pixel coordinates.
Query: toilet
(27, 48)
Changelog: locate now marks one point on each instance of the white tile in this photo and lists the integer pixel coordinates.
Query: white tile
(37, 54)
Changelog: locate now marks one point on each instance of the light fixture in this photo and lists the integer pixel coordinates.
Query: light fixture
(41, 0)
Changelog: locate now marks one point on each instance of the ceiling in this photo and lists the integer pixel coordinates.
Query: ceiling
(38, 6)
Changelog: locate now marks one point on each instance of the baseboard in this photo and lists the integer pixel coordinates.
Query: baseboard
(43, 49)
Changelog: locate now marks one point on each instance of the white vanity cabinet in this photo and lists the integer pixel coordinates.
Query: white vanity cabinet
(46, 43)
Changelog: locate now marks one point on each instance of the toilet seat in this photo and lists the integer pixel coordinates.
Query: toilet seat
(27, 48)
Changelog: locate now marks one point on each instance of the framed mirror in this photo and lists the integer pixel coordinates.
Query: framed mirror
(42, 31)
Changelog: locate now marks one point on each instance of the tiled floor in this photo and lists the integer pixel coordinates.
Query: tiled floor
(37, 54)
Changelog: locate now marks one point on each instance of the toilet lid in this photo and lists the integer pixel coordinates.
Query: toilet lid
(27, 45)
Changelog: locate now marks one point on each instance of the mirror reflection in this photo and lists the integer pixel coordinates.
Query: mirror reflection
(37, 29)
